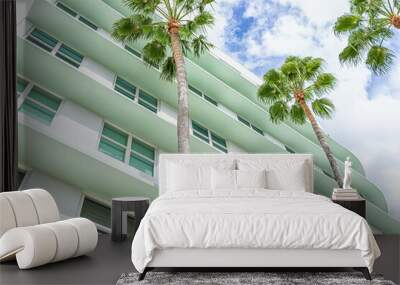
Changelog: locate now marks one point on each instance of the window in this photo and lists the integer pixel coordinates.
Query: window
(96, 212)
(212, 101)
(148, 101)
(87, 23)
(204, 134)
(257, 130)
(243, 121)
(219, 142)
(21, 85)
(142, 157)
(125, 88)
(133, 51)
(196, 91)
(69, 55)
(66, 9)
(41, 105)
(114, 143)
(42, 39)
(201, 94)
(200, 132)
(101, 215)
(289, 149)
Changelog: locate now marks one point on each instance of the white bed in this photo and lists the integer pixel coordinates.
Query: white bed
(217, 224)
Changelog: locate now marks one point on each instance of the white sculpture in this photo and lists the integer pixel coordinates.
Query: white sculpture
(347, 174)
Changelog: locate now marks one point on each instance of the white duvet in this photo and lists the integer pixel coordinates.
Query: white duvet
(250, 219)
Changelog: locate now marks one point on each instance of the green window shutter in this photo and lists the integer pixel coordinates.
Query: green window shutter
(289, 149)
(257, 130)
(142, 157)
(44, 98)
(200, 132)
(66, 9)
(195, 90)
(36, 111)
(115, 134)
(69, 55)
(112, 149)
(113, 142)
(148, 101)
(133, 51)
(212, 101)
(88, 23)
(41, 105)
(42, 40)
(218, 142)
(143, 149)
(21, 85)
(142, 164)
(96, 212)
(243, 121)
(125, 88)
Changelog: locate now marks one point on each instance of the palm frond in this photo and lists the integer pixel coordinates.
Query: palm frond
(200, 45)
(297, 114)
(346, 23)
(279, 112)
(370, 24)
(168, 69)
(324, 83)
(154, 53)
(131, 28)
(142, 6)
(313, 67)
(267, 94)
(379, 59)
(323, 107)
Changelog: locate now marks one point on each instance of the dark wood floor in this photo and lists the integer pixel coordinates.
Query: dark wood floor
(110, 260)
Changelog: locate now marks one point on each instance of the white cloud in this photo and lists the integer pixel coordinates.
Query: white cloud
(367, 123)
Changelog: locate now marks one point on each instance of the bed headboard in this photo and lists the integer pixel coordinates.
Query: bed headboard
(215, 159)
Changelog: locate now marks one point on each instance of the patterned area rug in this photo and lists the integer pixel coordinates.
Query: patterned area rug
(244, 278)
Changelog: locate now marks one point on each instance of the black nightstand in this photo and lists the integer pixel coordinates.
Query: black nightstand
(119, 215)
(356, 205)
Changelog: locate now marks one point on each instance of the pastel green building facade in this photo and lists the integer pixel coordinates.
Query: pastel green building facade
(93, 117)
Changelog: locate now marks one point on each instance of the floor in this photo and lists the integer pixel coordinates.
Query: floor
(103, 266)
(110, 260)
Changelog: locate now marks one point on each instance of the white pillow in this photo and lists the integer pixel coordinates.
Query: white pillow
(251, 179)
(188, 177)
(223, 179)
(281, 174)
(291, 179)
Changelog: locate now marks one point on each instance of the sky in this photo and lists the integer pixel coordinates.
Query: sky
(261, 33)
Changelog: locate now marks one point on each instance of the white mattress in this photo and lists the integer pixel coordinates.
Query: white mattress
(250, 219)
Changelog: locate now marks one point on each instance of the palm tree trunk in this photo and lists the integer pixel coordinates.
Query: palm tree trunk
(325, 146)
(183, 105)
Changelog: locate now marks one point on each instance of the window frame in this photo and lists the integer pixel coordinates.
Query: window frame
(38, 42)
(134, 94)
(24, 96)
(128, 149)
(64, 57)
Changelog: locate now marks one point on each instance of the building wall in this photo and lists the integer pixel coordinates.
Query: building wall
(68, 198)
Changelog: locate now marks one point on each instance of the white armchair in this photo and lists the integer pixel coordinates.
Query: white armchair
(31, 230)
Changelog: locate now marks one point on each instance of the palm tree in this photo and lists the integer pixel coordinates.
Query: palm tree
(369, 25)
(171, 29)
(290, 90)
